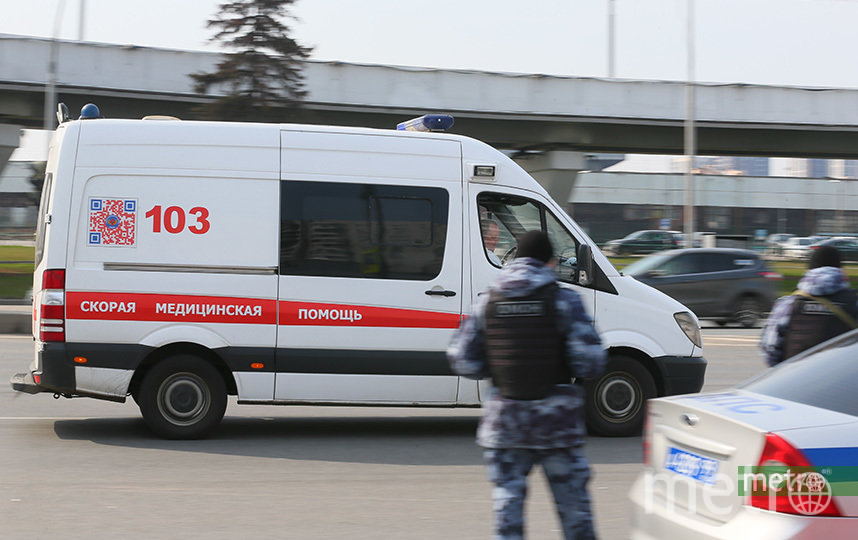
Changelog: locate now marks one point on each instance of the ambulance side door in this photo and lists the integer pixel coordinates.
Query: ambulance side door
(370, 268)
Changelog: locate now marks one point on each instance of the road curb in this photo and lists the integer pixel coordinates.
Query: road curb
(15, 320)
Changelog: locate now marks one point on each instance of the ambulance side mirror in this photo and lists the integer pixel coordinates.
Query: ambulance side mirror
(585, 265)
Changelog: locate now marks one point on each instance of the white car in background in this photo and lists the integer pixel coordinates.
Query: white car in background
(798, 247)
(774, 458)
(775, 243)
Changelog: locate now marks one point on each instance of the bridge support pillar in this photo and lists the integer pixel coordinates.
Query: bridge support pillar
(9, 137)
(556, 171)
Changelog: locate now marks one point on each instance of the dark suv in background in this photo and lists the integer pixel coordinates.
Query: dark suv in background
(643, 242)
(728, 285)
(846, 245)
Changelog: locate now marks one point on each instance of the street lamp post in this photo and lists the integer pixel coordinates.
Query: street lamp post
(81, 20)
(611, 38)
(51, 88)
(689, 130)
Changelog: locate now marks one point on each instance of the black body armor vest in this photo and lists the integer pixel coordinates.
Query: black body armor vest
(525, 349)
(811, 322)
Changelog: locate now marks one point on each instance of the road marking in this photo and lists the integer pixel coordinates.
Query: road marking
(58, 418)
(730, 341)
(735, 339)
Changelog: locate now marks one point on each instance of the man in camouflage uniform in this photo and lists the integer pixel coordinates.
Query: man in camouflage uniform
(531, 336)
(824, 306)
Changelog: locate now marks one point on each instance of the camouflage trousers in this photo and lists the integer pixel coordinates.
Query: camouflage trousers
(567, 473)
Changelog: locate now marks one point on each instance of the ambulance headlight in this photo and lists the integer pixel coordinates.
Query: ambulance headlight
(689, 326)
(427, 122)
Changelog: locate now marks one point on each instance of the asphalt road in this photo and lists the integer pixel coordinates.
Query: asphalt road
(87, 469)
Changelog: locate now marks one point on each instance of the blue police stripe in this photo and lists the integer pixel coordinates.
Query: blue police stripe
(832, 457)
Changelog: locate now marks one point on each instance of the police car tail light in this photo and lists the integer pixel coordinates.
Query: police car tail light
(52, 309)
(786, 492)
(771, 275)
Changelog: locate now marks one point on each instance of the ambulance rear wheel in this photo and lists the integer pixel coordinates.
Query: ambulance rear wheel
(616, 401)
(182, 397)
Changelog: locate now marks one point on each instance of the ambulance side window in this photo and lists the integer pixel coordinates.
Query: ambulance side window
(362, 230)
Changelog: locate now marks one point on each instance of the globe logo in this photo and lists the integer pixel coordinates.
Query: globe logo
(810, 494)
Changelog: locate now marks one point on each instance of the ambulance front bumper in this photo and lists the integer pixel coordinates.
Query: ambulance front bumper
(682, 374)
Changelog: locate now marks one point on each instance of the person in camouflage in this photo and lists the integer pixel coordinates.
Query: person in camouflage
(823, 307)
(531, 336)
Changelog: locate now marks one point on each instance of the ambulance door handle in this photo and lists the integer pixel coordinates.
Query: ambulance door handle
(433, 292)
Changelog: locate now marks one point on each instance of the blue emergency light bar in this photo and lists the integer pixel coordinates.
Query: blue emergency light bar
(89, 112)
(427, 122)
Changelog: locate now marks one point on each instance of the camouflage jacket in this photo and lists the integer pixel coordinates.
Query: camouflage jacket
(822, 281)
(555, 421)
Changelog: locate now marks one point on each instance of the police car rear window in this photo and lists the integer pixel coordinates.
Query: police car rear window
(825, 378)
(362, 230)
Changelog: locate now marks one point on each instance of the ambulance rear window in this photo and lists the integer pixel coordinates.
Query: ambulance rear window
(362, 230)
(43, 211)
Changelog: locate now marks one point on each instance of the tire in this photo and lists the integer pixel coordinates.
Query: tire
(182, 397)
(615, 401)
(748, 311)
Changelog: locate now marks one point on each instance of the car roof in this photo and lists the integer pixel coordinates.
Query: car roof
(836, 238)
(733, 251)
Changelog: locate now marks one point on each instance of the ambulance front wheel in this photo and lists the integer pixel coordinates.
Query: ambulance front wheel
(616, 401)
(182, 397)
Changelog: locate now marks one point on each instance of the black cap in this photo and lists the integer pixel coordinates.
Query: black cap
(536, 245)
(824, 256)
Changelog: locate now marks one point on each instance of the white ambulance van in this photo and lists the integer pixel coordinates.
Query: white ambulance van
(181, 262)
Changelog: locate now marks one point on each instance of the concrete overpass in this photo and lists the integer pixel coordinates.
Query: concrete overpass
(551, 121)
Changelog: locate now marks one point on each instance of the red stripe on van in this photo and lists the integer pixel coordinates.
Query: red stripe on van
(161, 308)
(104, 306)
(312, 314)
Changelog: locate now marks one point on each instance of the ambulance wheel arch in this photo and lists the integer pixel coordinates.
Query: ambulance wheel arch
(616, 402)
(182, 391)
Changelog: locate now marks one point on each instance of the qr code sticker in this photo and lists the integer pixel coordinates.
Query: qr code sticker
(112, 222)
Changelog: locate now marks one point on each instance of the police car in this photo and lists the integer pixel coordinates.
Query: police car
(776, 457)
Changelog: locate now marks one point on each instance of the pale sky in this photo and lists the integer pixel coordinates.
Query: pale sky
(781, 42)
